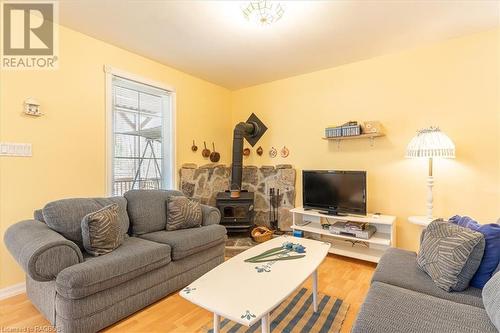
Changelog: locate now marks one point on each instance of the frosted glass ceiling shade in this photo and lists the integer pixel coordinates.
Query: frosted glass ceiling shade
(431, 142)
(263, 12)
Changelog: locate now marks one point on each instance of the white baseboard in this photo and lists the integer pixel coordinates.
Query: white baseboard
(13, 290)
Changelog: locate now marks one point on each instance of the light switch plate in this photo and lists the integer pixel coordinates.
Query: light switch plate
(15, 149)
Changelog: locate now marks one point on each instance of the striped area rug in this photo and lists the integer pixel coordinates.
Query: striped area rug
(296, 314)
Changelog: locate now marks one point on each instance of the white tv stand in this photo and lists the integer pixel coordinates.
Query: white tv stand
(371, 249)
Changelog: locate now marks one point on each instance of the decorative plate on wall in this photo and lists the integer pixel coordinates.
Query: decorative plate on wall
(273, 152)
(260, 151)
(284, 152)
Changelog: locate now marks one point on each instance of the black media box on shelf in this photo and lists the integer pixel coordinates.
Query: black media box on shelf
(340, 228)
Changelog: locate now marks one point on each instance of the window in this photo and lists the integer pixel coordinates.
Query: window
(141, 136)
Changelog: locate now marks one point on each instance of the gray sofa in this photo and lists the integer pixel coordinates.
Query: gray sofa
(402, 298)
(77, 292)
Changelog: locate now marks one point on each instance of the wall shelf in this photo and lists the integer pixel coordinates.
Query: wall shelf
(369, 136)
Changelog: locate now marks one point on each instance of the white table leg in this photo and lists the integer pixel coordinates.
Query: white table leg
(314, 276)
(216, 323)
(266, 324)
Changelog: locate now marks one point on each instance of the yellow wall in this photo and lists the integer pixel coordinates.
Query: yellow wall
(454, 84)
(68, 142)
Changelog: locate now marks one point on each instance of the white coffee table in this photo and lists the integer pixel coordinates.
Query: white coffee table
(247, 292)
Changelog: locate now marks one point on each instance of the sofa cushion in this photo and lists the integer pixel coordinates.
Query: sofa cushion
(101, 231)
(470, 267)
(134, 257)
(65, 216)
(491, 258)
(444, 252)
(392, 309)
(186, 242)
(399, 268)
(183, 213)
(491, 299)
(146, 209)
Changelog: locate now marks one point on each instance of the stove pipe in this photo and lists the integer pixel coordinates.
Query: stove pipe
(241, 130)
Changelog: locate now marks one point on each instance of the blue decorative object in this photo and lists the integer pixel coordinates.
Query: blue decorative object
(298, 248)
(491, 256)
(247, 315)
(188, 290)
(298, 233)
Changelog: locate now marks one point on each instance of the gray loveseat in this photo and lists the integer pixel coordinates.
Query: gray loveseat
(77, 292)
(404, 299)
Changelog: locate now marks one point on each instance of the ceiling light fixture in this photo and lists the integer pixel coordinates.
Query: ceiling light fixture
(263, 12)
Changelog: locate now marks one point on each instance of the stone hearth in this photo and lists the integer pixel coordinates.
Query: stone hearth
(237, 244)
(203, 183)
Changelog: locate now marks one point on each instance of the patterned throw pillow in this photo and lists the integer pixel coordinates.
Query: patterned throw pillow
(470, 268)
(444, 251)
(101, 231)
(183, 213)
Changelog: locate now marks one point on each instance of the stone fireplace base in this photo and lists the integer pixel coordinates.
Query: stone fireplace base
(205, 182)
(237, 244)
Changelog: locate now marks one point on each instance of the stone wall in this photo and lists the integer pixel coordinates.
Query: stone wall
(204, 182)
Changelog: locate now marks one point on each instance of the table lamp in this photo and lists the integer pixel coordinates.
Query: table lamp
(429, 143)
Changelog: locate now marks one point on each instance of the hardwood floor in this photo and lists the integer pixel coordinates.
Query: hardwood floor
(345, 278)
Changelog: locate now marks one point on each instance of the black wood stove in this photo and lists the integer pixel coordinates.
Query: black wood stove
(237, 213)
(236, 206)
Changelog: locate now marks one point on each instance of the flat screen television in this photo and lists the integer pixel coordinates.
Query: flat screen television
(336, 192)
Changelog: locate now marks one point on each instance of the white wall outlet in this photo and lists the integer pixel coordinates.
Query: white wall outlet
(15, 149)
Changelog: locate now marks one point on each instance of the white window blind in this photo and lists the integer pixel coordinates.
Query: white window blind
(141, 116)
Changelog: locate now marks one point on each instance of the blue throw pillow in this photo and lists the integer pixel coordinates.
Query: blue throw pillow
(491, 257)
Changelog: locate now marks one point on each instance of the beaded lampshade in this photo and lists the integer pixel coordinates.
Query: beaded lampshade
(431, 142)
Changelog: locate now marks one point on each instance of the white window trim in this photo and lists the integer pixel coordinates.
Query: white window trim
(171, 166)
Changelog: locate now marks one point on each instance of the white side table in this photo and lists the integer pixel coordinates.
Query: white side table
(420, 220)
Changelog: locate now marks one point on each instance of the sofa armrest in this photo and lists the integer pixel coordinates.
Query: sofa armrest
(40, 251)
(211, 215)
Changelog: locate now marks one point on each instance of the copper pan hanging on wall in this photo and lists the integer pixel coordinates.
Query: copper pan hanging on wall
(214, 156)
(205, 152)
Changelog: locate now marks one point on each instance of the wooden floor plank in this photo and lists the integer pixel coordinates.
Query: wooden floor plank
(345, 278)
